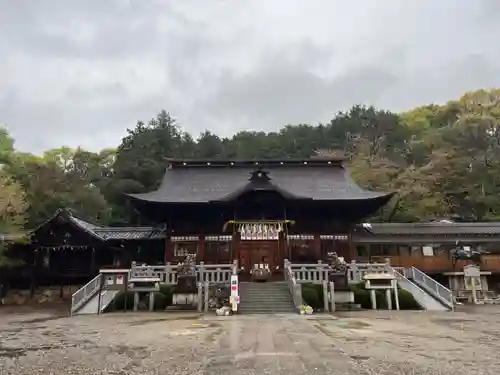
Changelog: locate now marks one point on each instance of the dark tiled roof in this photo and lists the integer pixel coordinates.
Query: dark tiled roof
(431, 229)
(104, 233)
(209, 181)
(130, 233)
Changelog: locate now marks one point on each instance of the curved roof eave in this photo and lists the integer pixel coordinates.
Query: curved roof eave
(372, 196)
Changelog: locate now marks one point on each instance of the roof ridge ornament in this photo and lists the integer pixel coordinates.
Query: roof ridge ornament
(259, 175)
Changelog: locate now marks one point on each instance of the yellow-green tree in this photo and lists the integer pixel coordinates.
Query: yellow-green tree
(13, 208)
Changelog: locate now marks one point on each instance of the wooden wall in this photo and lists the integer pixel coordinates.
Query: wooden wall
(439, 263)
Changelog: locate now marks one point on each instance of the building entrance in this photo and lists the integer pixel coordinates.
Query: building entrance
(253, 253)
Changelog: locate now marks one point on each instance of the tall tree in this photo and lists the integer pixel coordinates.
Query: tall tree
(13, 208)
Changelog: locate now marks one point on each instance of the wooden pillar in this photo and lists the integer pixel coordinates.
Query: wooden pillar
(352, 248)
(92, 261)
(235, 248)
(61, 269)
(283, 249)
(217, 250)
(317, 247)
(34, 272)
(201, 248)
(168, 255)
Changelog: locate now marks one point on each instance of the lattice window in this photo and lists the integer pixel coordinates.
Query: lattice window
(302, 250)
(217, 249)
(183, 249)
(362, 251)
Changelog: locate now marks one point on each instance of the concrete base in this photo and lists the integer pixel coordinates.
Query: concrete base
(344, 297)
(185, 299)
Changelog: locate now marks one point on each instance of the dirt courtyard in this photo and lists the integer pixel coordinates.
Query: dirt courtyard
(370, 342)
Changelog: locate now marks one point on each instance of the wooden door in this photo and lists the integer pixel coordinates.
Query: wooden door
(255, 252)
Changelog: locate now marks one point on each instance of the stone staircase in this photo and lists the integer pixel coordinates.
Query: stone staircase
(265, 298)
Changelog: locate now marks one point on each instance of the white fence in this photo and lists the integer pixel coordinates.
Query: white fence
(314, 273)
(205, 273)
(357, 271)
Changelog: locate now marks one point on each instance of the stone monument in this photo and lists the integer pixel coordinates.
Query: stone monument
(186, 275)
(185, 292)
(338, 271)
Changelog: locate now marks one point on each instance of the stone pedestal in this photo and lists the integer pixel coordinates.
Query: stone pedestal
(340, 280)
(186, 285)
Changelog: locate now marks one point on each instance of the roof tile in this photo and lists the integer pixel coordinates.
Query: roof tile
(197, 183)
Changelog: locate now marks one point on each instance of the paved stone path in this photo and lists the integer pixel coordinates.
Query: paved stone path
(357, 343)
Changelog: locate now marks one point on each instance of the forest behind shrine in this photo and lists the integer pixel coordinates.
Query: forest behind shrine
(442, 160)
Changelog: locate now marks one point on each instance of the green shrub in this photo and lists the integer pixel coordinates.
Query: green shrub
(310, 297)
(362, 297)
(119, 301)
(166, 290)
(319, 290)
(314, 292)
(406, 301)
(161, 301)
(360, 285)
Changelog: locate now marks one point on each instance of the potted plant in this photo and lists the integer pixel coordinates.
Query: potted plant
(306, 310)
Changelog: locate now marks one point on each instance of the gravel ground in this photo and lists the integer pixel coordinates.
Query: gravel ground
(370, 342)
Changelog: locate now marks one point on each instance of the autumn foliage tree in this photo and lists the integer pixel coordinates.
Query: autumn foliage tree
(13, 217)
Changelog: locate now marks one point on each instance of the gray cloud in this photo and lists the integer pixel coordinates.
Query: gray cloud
(81, 72)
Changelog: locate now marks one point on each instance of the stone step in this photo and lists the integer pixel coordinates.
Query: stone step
(266, 290)
(289, 308)
(268, 311)
(266, 303)
(270, 294)
(246, 297)
(263, 288)
(264, 285)
(266, 298)
(264, 307)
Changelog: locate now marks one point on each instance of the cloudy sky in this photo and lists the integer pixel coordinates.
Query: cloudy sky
(79, 72)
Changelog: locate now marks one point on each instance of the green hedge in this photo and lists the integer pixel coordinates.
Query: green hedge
(312, 295)
(163, 298)
(167, 292)
(362, 297)
(120, 300)
(161, 301)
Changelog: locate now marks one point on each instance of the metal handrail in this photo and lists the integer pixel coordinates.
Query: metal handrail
(86, 292)
(402, 277)
(436, 289)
